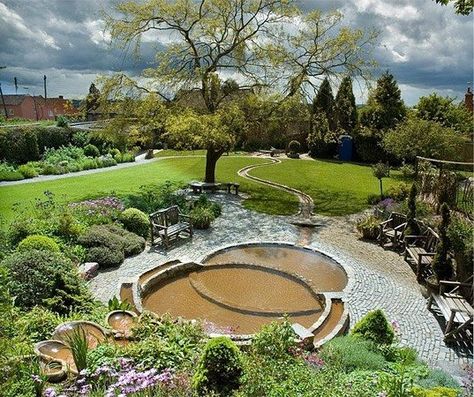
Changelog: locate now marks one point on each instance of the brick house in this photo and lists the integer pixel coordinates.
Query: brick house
(33, 107)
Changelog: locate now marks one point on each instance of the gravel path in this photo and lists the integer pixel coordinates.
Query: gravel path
(381, 279)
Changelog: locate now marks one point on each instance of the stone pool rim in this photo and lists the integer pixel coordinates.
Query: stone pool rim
(187, 265)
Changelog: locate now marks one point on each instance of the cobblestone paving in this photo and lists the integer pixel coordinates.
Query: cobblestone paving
(381, 278)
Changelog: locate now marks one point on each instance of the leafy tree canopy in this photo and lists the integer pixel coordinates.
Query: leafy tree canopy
(463, 7)
(444, 111)
(267, 43)
(418, 137)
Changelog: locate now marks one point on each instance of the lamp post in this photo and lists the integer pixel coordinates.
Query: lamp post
(34, 102)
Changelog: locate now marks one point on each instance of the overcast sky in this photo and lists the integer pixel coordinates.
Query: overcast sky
(426, 46)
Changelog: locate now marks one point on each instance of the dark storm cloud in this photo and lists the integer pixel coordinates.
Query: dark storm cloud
(426, 46)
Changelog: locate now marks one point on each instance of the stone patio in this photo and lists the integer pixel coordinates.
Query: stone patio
(381, 278)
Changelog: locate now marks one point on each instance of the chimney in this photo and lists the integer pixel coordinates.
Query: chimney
(60, 97)
(468, 99)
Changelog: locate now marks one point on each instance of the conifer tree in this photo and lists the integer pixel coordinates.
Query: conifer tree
(345, 106)
(324, 102)
(385, 105)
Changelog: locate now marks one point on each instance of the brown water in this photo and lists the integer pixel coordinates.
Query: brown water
(243, 298)
(337, 309)
(325, 274)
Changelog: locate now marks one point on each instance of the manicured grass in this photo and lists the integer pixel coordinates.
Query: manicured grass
(199, 152)
(336, 188)
(264, 199)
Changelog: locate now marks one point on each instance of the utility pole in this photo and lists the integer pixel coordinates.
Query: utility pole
(15, 81)
(3, 99)
(44, 84)
(3, 102)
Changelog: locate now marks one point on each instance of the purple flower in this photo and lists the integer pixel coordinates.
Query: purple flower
(36, 379)
(49, 392)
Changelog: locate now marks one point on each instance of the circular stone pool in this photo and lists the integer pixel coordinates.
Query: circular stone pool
(238, 289)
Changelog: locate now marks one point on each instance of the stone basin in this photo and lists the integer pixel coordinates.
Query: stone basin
(121, 320)
(56, 350)
(95, 334)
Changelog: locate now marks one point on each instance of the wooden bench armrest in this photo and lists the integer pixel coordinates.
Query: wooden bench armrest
(454, 283)
(399, 227)
(427, 254)
(385, 222)
(159, 226)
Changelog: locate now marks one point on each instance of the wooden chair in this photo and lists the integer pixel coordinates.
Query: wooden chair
(421, 250)
(168, 223)
(455, 307)
(392, 229)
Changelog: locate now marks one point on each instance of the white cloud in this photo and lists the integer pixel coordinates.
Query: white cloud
(17, 23)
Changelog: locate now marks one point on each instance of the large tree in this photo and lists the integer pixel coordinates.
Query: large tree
(463, 7)
(385, 107)
(345, 107)
(323, 102)
(267, 43)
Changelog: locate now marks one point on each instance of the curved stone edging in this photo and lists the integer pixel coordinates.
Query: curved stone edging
(206, 294)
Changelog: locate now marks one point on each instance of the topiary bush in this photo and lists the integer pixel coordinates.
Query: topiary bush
(375, 327)
(135, 221)
(294, 146)
(201, 217)
(47, 279)
(91, 150)
(38, 242)
(219, 369)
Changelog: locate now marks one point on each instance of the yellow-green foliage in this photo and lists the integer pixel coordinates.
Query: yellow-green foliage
(435, 392)
(38, 242)
(375, 327)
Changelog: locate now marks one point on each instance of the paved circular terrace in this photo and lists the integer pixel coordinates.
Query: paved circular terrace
(381, 278)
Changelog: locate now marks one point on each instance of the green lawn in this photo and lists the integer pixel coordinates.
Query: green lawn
(264, 199)
(336, 188)
(199, 152)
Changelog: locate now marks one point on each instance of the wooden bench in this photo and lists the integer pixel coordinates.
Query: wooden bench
(421, 250)
(169, 223)
(232, 185)
(393, 229)
(201, 187)
(454, 307)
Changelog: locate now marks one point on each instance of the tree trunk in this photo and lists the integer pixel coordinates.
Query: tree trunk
(381, 190)
(211, 160)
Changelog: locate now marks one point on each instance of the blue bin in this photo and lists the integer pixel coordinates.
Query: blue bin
(345, 148)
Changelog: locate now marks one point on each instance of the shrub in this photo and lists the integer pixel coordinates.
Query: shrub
(62, 121)
(460, 232)
(106, 161)
(127, 158)
(114, 152)
(435, 392)
(11, 175)
(351, 353)
(103, 247)
(91, 150)
(132, 243)
(219, 369)
(437, 377)
(39, 324)
(204, 202)
(135, 221)
(27, 171)
(44, 278)
(52, 137)
(408, 171)
(374, 327)
(373, 198)
(80, 138)
(369, 227)
(201, 217)
(98, 211)
(274, 340)
(38, 242)
(18, 145)
(398, 192)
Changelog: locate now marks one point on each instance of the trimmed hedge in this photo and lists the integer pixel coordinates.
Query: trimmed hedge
(375, 327)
